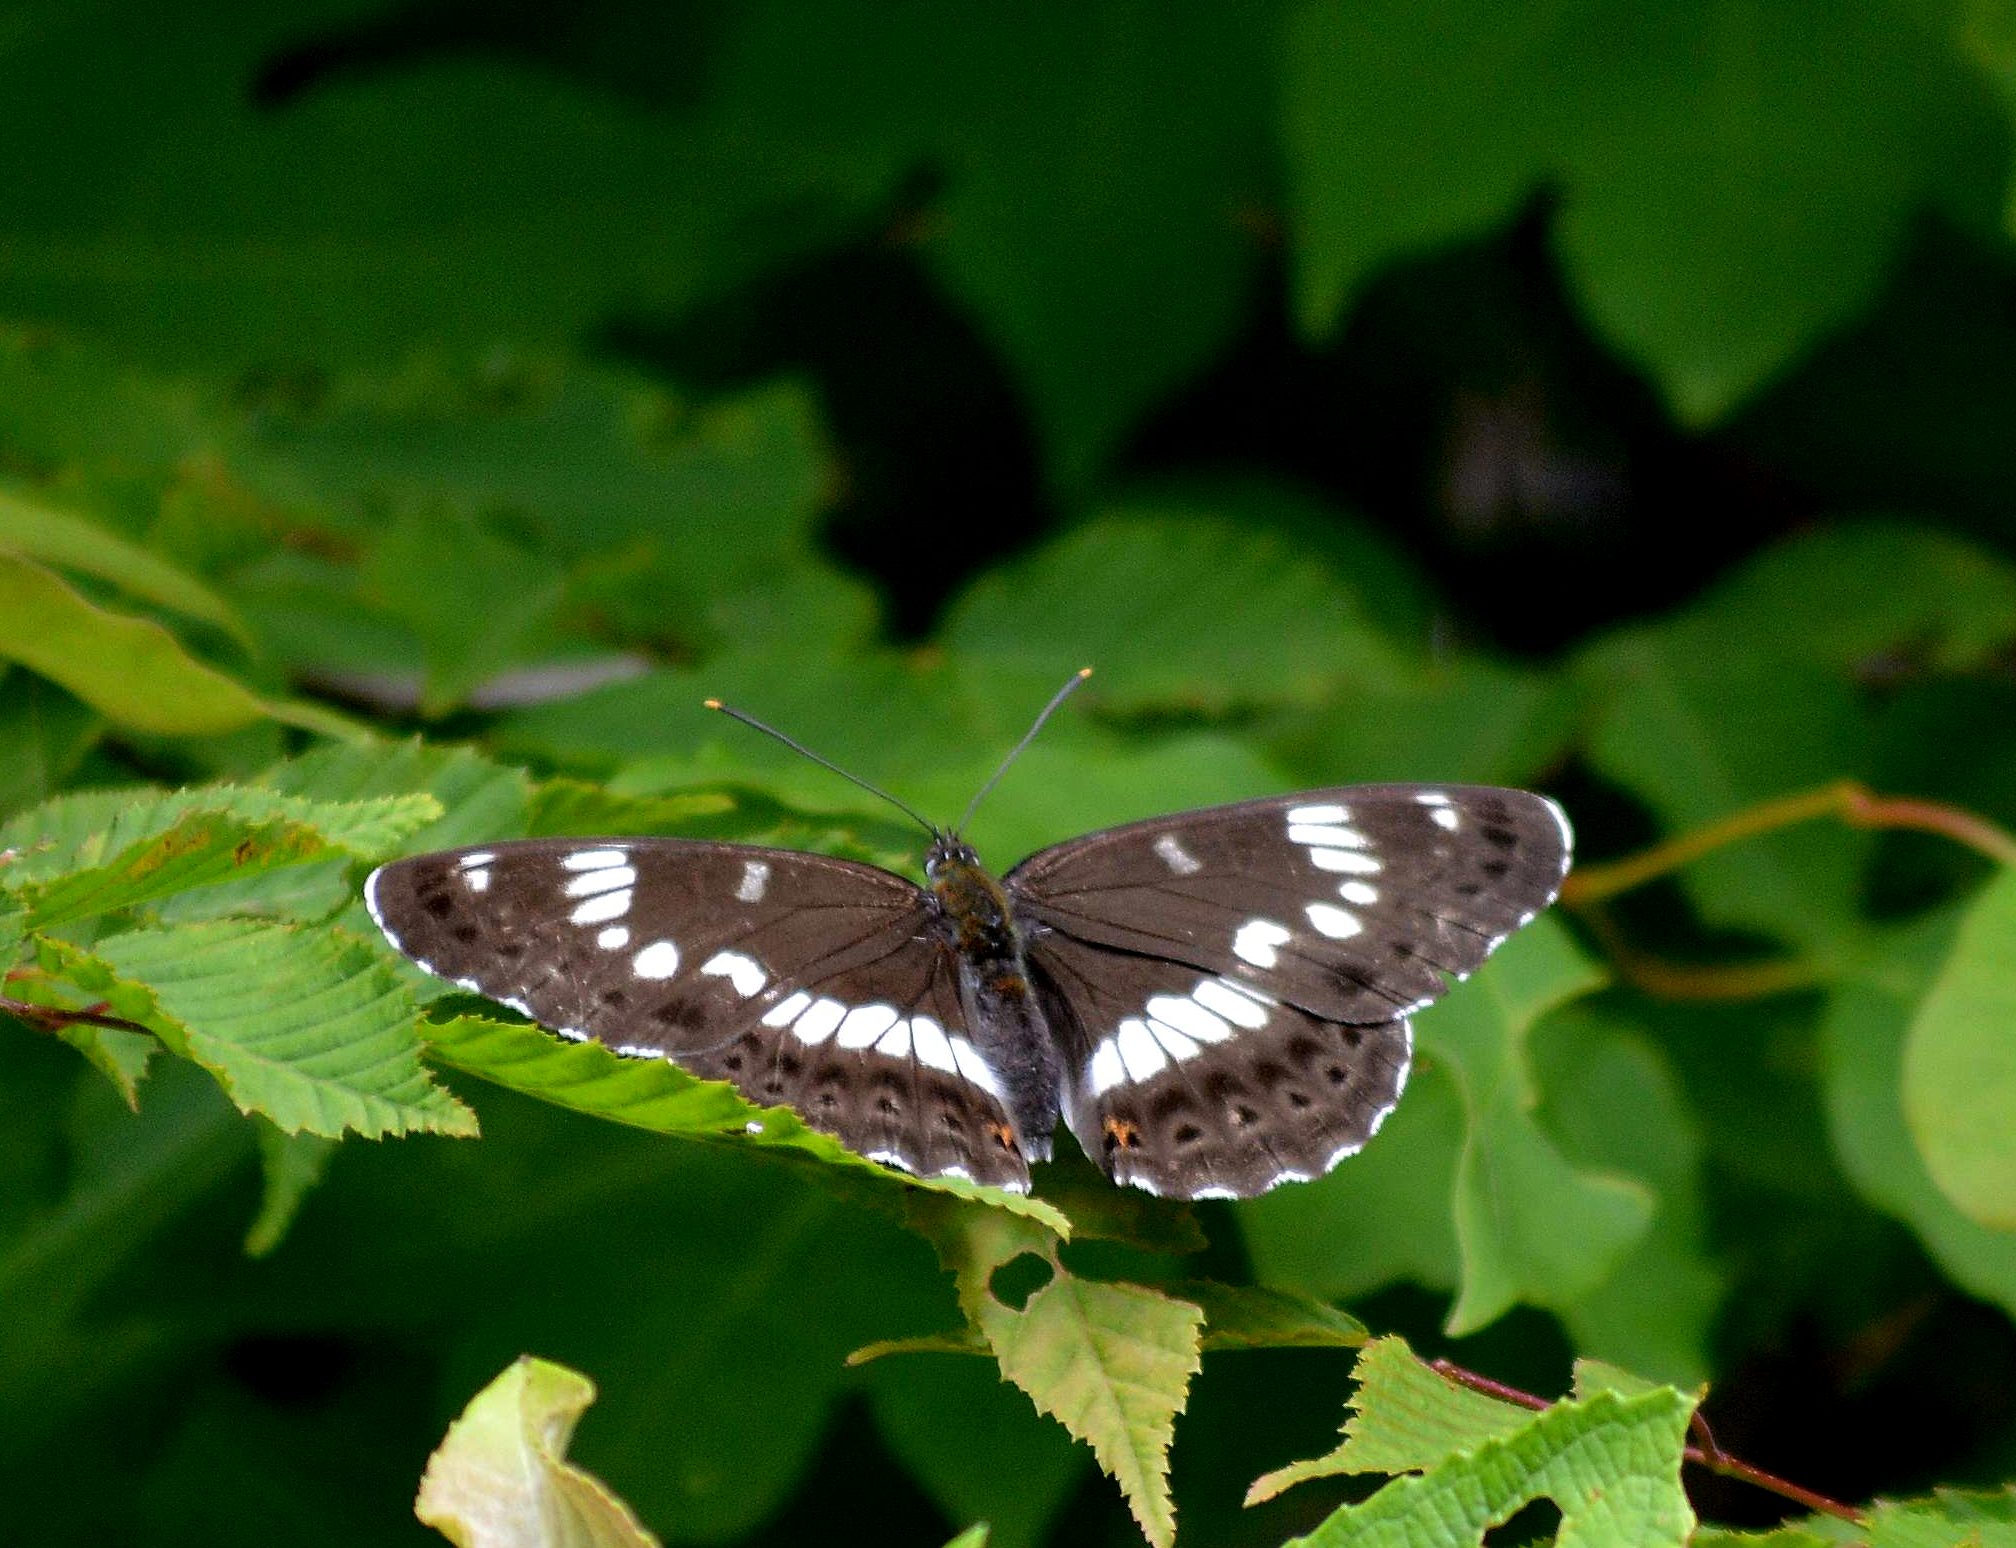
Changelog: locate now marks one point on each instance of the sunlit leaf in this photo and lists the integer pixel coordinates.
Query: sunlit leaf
(500, 1477)
(308, 1029)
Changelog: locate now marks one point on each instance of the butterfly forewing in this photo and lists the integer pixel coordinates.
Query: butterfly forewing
(1231, 986)
(802, 979)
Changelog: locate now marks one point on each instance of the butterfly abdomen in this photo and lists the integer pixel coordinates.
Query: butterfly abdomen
(1008, 1026)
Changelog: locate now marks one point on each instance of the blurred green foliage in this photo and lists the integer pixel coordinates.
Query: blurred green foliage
(408, 414)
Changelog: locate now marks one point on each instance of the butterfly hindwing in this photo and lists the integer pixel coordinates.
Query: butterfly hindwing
(1195, 1085)
(1231, 987)
(802, 979)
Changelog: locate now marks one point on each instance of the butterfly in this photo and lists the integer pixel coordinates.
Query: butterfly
(1215, 1002)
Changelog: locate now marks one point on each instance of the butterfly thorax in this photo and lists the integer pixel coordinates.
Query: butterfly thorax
(980, 929)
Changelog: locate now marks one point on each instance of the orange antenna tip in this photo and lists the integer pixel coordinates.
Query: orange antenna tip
(710, 703)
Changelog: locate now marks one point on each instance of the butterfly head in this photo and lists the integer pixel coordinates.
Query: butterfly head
(948, 855)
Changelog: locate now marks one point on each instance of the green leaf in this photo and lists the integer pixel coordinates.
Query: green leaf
(1952, 1518)
(972, 1537)
(309, 1029)
(290, 1166)
(1530, 1225)
(1110, 1362)
(656, 1094)
(1960, 1064)
(1854, 592)
(202, 849)
(1734, 180)
(1614, 1105)
(1700, 732)
(106, 832)
(1864, 1032)
(1172, 611)
(35, 529)
(129, 669)
(1611, 1463)
(500, 1477)
(1406, 1418)
(1261, 1317)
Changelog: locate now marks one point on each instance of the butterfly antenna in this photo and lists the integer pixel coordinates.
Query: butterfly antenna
(825, 763)
(1057, 698)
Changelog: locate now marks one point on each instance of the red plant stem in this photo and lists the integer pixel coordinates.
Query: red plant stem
(53, 1018)
(1847, 800)
(1708, 1453)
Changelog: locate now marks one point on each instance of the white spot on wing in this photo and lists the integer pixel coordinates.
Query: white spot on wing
(864, 1023)
(476, 858)
(1561, 821)
(603, 908)
(974, 1068)
(1327, 836)
(928, 1042)
(1139, 1051)
(1325, 859)
(1340, 924)
(1176, 857)
(895, 1042)
(1214, 1192)
(1105, 1072)
(1224, 997)
(592, 859)
(1445, 817)
(1432, 797)
(658, 960)
(1190, 1018)
(1174, 1043)
(1364, 894)
(1328, 812)
(787, 1010)
(478, 878)
(755, 880)
(817, 1024)
(890, 1158)
(608, 879)
(1256, 940)
(744, 974)
(615, 938)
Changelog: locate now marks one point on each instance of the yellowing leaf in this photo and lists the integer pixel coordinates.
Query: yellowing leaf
(500, 1477)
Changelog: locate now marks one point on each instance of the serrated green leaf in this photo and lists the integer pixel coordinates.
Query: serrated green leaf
(1863, 1037)
(1405, 1418)
(500, 1477)
(36, 529)
(1261, 1317)
(656, 1094)
(1777, 1537)
(130, 669)
(101, 831)
(1167, 610)
(1611, 1463)
(478, 798)
(1960, 1064)
(1112, 1363)
(204, 848)
(1952, 1518)
(290, 1167)
(1530, 1226)
(308, 1029)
